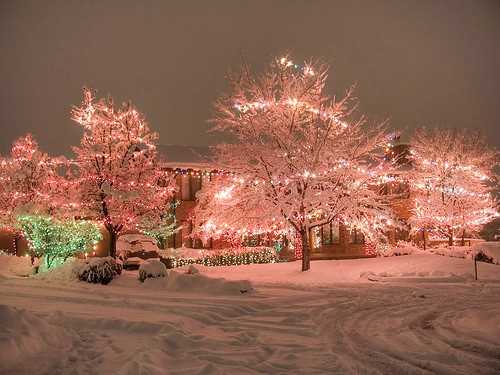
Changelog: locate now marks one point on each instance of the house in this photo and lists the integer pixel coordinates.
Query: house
(192, 171)
(331, 241)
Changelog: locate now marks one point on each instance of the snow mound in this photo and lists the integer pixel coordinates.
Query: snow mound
(491, 251)
(66, 272)
(198, 283)
(11, 265)
(25, 338)
(454, 251)
(423, 276)
(152, 268)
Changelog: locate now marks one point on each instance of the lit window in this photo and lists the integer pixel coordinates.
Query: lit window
(357, 236)
(331, 234)
(185, 188)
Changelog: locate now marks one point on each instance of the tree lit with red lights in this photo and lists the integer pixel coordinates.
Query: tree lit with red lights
(26, 178)
(119, 181)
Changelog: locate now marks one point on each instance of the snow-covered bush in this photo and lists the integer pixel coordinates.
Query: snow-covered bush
(99, 270)
(66, 272)
(482, 257)
(152, 268)
(490, 251)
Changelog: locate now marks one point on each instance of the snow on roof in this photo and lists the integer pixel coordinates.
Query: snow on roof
(184, 154)
(185, 157)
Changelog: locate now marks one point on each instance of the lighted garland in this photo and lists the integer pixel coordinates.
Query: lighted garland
(226, 258)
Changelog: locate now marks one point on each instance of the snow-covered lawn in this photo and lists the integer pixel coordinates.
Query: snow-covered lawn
(423, 315)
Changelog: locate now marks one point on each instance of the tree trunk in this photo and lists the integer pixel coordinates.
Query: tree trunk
(48, 261)
(162, 243)
(306, 256)
(16, 243)
(463, 238)
(113, 237)
(425, 240)
(450, 238)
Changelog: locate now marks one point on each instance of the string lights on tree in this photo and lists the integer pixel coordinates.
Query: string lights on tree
(26, 180)
(119, 181)
(453, 176)
(300, 159)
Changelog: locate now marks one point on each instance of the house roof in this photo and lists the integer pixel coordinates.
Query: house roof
(185, 157)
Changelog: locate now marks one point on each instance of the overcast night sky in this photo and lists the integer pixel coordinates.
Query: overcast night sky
(434, 63)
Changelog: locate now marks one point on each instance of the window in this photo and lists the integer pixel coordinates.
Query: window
(195, 186)
(185, 187)
(357, 236)
(330, 234)
(185, 233)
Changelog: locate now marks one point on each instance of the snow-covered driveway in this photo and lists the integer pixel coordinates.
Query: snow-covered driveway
(133, 328)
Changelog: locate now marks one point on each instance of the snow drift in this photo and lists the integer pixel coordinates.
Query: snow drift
(11, 265)
(25, 338)
(194, 282)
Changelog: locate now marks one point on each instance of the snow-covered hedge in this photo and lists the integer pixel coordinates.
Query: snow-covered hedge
(99, 270)
(231, 257)
(152, 268)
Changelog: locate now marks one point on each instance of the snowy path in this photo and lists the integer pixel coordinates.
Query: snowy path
(372, 328)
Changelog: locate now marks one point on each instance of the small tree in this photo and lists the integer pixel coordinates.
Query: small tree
(26, 178)
(118, 179)
(56, 240)
(160, 225)
(452, 174)
(298, 161)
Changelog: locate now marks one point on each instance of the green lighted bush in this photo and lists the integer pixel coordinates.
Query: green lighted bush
(57, 240)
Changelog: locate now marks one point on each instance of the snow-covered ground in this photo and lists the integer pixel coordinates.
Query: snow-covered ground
(416, 314)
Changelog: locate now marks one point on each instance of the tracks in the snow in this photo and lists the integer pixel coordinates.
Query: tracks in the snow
(372, 329)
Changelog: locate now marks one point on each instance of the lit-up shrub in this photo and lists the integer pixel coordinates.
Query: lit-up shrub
(57, 240)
